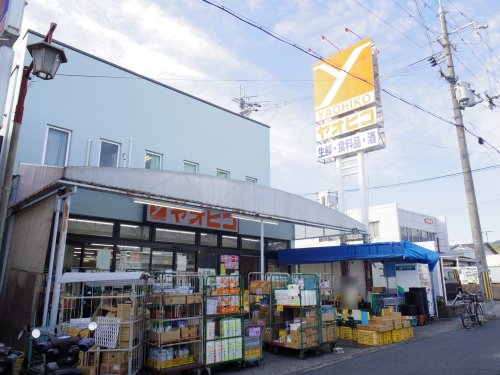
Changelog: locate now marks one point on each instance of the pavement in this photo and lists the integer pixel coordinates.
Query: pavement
(287, 361)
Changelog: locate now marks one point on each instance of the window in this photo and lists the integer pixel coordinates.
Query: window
(138, 232)
(109, 155)
(375, 228)
(277, 245)
(90, 227)
(175, 236)
(132, 258)
(250, 243)
(162, 260)
(222, 173)
(252, 180)
(153, 160)
(230, 241)
(190, 167)
(208, 239)
(56, 150)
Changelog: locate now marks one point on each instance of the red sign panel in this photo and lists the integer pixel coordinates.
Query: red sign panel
(208, 219)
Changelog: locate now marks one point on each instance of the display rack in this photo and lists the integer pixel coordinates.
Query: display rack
(224, 320)
(116, 301)
(252, 343)
(328, 310)
(174, 335)
(295, 313)
(259, 292)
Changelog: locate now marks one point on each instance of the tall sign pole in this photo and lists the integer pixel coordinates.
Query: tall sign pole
(482, 267)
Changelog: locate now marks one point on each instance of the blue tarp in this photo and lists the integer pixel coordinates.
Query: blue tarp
(379, 252)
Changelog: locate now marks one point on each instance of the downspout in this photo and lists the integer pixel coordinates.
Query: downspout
(60, 258)
(55, 229)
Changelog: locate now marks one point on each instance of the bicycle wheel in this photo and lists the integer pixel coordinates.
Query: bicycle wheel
(465, 315)
(479, 314)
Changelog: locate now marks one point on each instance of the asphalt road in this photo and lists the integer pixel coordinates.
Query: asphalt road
(461, 351)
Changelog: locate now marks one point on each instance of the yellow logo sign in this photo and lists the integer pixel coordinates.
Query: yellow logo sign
(345, 83)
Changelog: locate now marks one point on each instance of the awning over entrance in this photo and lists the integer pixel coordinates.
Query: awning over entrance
(193, 190)
(381, 252)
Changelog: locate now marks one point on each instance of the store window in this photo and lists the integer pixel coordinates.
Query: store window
(250, 243)
(252, 180)
(175, 236)
(185, 261)
(132, 258)
(208, 239)
(277, 245)
(230, 242)
(85, 257)
(153, 161)
(222, 173)
(90, 227)
(162, 261)
(136, 232)
(56, 149)
(208, 262)
(110, 154)
(190, 167)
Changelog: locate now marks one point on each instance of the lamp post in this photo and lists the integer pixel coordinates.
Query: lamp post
(46, 61)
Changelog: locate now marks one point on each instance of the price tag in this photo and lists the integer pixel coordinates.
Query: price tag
(280, 307)
(245, 303)
(257, 298)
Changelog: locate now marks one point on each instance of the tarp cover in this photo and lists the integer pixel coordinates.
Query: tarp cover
(380, 252)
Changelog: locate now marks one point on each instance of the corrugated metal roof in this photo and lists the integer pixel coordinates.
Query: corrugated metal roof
(200, 191)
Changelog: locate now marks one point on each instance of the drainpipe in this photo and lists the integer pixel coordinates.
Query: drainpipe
(60, 258)
(57, 212)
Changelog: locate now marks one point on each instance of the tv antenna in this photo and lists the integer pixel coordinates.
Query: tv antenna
(248, 105)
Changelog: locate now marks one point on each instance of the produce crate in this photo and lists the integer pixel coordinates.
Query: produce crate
(345, 333)
(409, 332)
(370, 337)
(404, 334)
(387, 337)
(396, 335)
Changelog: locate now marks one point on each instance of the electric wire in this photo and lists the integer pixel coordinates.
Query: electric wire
(318, 57)
(387, 23)
(422, 180)
(423, 25)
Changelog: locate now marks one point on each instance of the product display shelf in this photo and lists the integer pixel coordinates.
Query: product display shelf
(174, 336)
(116, 301)
(295, 313)
(252, 343)
(328, 310)
(223, 338)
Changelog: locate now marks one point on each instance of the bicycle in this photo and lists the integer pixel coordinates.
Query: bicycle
(471, 309)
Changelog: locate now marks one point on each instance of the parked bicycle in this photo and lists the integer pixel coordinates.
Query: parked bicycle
(471, 311)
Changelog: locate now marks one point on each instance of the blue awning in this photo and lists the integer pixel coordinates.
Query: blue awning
(378, 252)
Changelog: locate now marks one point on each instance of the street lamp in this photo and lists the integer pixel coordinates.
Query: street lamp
(46, 61)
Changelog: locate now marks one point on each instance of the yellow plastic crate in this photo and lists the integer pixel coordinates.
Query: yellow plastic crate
(345, 333)
(404, 334)
(396, 335)
(370, 337)
(409, 332)
(387, 337)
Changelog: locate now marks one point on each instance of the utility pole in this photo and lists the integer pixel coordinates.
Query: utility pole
(482, 267)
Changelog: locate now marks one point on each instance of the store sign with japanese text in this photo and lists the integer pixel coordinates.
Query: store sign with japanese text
(231, 262)
(368, 141)
(208, 219)
(346, 124)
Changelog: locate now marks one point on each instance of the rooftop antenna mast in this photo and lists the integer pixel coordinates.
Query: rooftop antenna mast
(246, 103)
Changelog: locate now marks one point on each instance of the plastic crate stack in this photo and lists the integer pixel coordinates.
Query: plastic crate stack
(389, 328)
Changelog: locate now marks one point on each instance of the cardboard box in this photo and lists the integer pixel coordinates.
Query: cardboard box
(113, 357)
(113, 369)
(194, 298)
(174, 299)
(189, 332)
(173, 335)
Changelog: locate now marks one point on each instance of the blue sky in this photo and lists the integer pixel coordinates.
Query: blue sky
(200, 49)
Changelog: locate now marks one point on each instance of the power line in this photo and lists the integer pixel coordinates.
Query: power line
(318, 57)
(417, 181)
(387, 23)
